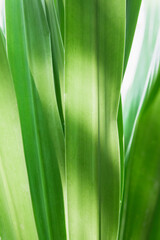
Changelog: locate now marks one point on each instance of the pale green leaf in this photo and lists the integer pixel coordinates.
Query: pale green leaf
(132, 11)
(142, 181)
(140, 68)
(16, 214)
(40, 153)
(57, 53)
(95, 33)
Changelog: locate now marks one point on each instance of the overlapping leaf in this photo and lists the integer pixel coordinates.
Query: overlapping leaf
(79, 104)
(53, 13)
(142, 182)
(132, 11)
(149, 46)
(38, 113)
(16, 214)
(142, 135)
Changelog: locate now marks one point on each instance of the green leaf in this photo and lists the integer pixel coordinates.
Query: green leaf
(16, 214)
(38, 111)
(154, 232)
(59, 4)
(132, 11)
(121, 144)
(40, 64)
(95, 32)
(142, 180)
(144, 64)
(57, 53)
(2, 16)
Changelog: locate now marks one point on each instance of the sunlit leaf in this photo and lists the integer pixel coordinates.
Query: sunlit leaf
(95, 33)
(140, 67)
(142, 181)
(57, 52)
(16, 214)
(40, 152)
(132, 11)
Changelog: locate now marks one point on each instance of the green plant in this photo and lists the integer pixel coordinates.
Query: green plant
(79, 157)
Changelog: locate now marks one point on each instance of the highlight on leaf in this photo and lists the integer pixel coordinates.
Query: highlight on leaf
(79, 120)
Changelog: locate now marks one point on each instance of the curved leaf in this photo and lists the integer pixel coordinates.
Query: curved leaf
(132, 11)
(142, 180)
(147, 59)
(57, 53)
(16, 214)
(40, 153)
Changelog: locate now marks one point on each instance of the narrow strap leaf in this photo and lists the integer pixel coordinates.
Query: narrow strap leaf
(132, 11)
(15, 219)
(143, 166)
(57, 54)
(149, 53)
(95, 35)
(40, 154)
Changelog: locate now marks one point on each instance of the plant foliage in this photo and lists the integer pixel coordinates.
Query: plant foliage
(79, 120)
